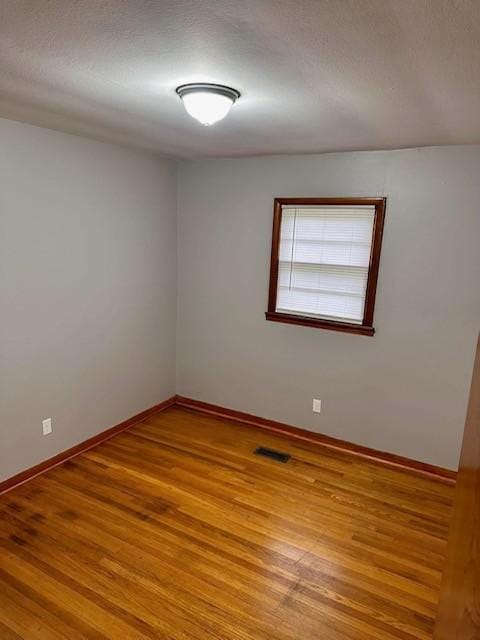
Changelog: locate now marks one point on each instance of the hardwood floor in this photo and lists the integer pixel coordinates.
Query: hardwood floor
(175, 530)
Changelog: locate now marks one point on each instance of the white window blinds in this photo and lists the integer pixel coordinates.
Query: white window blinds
(324, 261)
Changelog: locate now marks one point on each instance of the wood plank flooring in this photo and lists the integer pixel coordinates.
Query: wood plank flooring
(174, 530)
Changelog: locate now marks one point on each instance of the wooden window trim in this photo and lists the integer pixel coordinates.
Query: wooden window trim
(366, 327)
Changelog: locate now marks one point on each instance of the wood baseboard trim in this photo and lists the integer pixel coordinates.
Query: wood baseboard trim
(383, 458)
(380, 457)
(60, 458)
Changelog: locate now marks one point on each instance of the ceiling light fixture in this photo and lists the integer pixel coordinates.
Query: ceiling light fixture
(207, 103)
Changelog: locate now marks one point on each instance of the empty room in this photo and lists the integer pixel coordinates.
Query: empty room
(239, 315)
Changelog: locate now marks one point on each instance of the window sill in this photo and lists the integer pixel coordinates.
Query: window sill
(316, 323)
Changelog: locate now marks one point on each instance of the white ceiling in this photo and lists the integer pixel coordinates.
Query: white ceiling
(315, 75)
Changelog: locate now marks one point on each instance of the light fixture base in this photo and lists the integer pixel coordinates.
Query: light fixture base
(202, 87)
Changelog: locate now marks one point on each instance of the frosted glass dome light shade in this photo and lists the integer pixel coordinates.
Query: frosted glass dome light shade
(207, 103)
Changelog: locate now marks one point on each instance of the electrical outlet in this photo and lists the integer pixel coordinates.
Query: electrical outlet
(47, 426)
(317, 406)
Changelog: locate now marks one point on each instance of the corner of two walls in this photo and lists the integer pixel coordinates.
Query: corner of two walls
(121, 285)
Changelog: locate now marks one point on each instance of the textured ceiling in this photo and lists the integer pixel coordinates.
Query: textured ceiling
(315, 75)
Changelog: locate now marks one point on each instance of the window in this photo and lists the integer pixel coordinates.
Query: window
(325, 258)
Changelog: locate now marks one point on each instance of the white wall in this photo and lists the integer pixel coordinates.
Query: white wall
(402, 391)
(87, 289)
